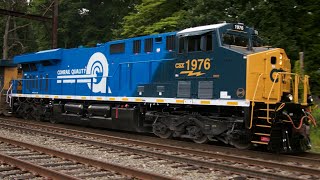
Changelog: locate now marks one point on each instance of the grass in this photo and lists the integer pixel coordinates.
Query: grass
(315, 132)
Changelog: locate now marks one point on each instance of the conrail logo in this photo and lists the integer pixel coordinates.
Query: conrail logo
(94, 74)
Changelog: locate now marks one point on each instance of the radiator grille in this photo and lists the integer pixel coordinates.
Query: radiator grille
(184, 89)
(205, 89)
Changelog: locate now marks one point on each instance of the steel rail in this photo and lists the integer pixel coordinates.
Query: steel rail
(309, 158)
(103, 165)
(202, 163)
(35, 168)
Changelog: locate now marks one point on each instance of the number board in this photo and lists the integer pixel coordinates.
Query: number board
(238, 27)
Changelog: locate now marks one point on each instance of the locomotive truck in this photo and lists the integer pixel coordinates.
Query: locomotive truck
(208, 83)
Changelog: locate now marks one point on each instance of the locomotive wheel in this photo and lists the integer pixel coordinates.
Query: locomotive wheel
(53, 121)
(201, 140)
(241, 139)
(239, 145)
(162, 130)
(19, 111)
(26, 111)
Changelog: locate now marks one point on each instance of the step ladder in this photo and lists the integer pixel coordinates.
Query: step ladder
(263, 119)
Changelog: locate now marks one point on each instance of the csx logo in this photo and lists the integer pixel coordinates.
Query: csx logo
(179, 65)
(273, 75)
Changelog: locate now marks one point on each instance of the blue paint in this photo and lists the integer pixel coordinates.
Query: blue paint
(53, 72)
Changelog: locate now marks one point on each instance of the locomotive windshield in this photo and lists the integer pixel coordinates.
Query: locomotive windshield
(241, 40)
(235, 39)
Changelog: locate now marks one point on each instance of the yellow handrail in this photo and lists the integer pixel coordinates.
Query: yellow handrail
(274, 82)
(296, 83)
(305, 89)
(295, 92)
(254, 95)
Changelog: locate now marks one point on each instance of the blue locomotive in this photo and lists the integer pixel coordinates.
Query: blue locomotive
(209, 83)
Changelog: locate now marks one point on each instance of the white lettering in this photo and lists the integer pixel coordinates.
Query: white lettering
(72, 71)
(238, 27)
(97, 67)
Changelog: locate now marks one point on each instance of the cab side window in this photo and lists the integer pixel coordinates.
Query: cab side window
(182, 44)
(194, 43)
(209, 46)
(202, 42)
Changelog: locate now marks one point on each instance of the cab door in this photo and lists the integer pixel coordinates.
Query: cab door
(271, 83)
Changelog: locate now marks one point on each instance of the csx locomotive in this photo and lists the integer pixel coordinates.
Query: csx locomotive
(208, 83)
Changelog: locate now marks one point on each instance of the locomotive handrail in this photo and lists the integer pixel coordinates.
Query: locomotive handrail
(1, 95)
(297, 80)
(279, 79)
(254, 96)
(295, 89)
(268, 100)
(306, 89)
(8, 96)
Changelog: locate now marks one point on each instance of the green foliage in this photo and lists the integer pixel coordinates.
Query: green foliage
(152, 16)
(315, 132)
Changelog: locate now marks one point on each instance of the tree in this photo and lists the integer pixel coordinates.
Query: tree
(89, 22)
(152, 16)
(11, 37)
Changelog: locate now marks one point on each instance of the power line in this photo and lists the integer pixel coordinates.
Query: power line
(25, 15)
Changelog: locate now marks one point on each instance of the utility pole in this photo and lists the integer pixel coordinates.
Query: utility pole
(301, 57)
(55, 25)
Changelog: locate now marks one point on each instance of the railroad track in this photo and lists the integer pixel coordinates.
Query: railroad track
(8, 171)
(251, 167)
(60, 165)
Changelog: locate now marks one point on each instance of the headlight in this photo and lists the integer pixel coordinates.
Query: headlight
(290, 97)
(310, 99)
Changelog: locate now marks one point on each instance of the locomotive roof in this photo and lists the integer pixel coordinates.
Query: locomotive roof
(200, 29)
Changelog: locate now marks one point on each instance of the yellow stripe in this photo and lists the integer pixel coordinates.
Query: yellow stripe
(264, 117)
(180, 101)
(262, 134)
(260, 142)
(112, 99)
(265, 126)
(139, 100)
(20, 95)
(204, 102)
(56, 96)
(37, 96)
(99, 98)
(125, 99)
(46, 96)
(266, 109)
(159, 100)
(68, 97)
(83, 98)
(232, 103)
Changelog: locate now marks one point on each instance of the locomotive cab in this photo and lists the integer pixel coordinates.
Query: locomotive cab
(230, 62)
